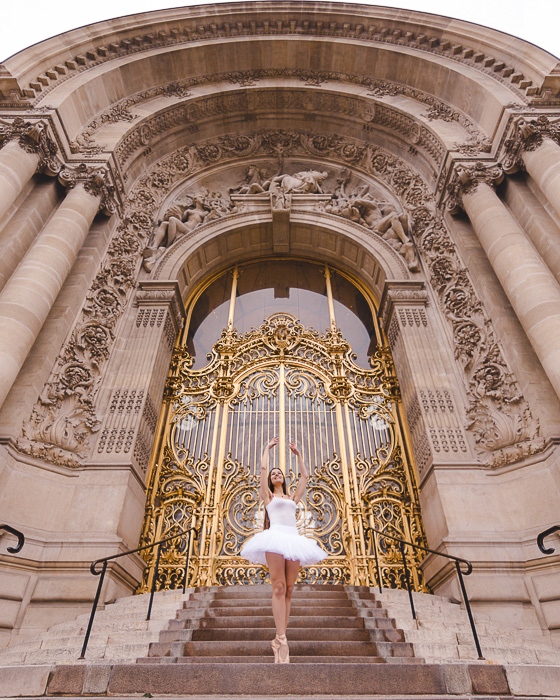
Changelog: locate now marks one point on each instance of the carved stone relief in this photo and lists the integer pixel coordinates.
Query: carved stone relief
(33, 137)
(64, 417)
(527, 135)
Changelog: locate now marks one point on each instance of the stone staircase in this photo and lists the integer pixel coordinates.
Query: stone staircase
(344, 641)
(235, 625)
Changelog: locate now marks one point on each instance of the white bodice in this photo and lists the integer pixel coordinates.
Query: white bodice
(282, 511)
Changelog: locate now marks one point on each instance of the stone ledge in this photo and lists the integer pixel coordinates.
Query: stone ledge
(243, 678)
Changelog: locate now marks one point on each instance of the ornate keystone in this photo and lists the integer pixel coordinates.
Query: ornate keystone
(466, 179)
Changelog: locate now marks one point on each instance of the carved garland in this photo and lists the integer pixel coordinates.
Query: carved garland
(64, 417)
(437, 109)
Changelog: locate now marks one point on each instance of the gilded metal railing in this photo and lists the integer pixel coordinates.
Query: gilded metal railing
(546, 533)
(458, 561)
(190, 532)
(20, 537)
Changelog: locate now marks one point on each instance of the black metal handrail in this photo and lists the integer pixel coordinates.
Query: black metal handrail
(105, 560)
(546, 533)
(458, 561)
(20, 538)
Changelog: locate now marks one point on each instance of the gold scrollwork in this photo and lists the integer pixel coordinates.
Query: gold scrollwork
(283, 378)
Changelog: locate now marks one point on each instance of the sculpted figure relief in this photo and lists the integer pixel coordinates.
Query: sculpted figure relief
(377, 215)
(360, 206)
(182, 219)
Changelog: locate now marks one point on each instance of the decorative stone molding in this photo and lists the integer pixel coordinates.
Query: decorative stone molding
(195, 111)
(177, 32)
(527, 135)
(33, 137)
(499, 418)
(96, 181)
(154, 297)
(465, 180)
(411, 295)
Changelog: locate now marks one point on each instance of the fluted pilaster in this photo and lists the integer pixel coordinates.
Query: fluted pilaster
(128, 429)
(528, 283)
(27, 298)
(425, 378)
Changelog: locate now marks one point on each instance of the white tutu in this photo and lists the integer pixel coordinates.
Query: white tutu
(284, 540)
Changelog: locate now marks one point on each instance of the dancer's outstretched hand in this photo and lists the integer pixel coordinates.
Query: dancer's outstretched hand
(272, 443)
(294, 449)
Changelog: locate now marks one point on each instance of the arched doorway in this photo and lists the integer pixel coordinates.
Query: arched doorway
(289, 348)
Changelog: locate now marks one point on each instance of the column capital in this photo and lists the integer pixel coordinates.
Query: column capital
(33, 137)
(96, 181)
(527, 135)
(162, 294)
(467, 177)
(401, 293)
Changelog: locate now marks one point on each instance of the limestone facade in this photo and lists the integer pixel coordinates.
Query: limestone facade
(103, 130)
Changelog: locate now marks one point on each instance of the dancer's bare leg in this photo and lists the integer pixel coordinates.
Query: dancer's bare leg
(291, 574)
(277, 569)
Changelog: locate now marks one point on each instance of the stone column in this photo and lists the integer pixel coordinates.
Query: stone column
(20, 159)
(28, 296)
(533, 146)
(134, 397)
(528, 283)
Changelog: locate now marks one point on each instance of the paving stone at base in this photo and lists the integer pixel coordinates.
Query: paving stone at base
(537, 680)
(488, 679)
(239, 679)
(16, 681)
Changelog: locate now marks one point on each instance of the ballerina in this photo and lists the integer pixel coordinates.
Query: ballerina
(279, 545)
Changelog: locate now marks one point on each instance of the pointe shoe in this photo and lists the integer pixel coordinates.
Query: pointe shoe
(275, 648)
(283, 650)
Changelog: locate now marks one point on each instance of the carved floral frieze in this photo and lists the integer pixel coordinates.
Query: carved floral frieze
(65, 417)
(304, 100)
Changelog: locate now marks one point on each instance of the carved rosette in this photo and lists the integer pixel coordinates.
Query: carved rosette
(526, 136)
(465, 180)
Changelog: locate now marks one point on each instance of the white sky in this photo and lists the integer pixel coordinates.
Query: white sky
(25, 22)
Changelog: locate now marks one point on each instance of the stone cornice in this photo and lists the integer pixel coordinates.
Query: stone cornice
(496, 58)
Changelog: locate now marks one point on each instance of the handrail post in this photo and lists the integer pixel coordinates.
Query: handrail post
(154, 582)
(469, 612)
(546, 533)
(407, 578)
(101, 575)
(20, 538)
(376, 554)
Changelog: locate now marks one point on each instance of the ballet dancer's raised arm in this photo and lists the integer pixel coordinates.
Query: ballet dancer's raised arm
(265, 492)
(303, 475)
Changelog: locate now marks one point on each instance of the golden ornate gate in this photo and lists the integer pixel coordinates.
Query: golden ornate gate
(287, 380)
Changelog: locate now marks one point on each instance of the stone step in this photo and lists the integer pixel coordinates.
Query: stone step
(256, 621)
(297, 610)
(270, 659)
(324, 679)
(297, 648)
(297, 602)
(298, 634)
